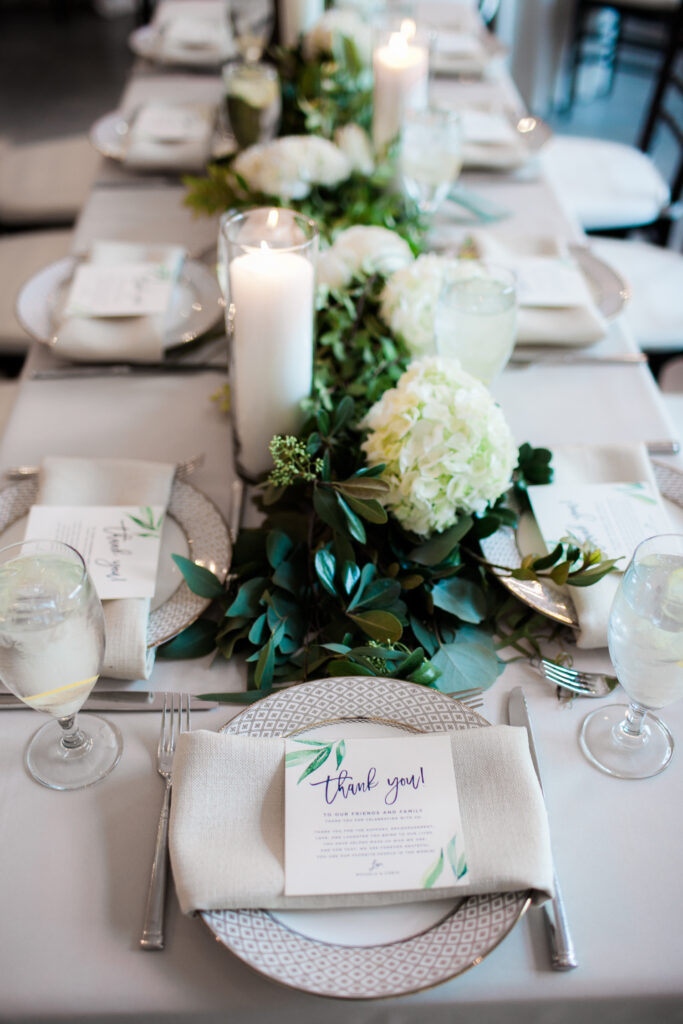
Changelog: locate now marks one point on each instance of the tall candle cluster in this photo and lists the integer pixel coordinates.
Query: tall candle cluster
(401, 73)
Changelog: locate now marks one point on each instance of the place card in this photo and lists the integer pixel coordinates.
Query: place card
(457, 44)
(119, 289)
(613, 517)
(542, 281)
(119, 544)
(167, 123)
(371, 815)
(484, 127)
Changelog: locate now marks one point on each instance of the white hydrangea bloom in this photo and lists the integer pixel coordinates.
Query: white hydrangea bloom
(408, 301)
(445, 444)
(355, 143)
(318, 41)
(289, 166)
(366, 249)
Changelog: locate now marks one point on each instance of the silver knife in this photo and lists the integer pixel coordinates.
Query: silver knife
(115, 700)
(522, 358)
(562, 952)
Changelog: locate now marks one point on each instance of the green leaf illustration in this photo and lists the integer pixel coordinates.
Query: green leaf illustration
(432, 873)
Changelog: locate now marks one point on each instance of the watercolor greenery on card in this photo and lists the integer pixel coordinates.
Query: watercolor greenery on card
(148, 522)
(456, 862)
(314, 754)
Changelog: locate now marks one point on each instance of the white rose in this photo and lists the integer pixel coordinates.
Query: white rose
(319, 40)
(290, 166)
(366, 249)
(355, 143)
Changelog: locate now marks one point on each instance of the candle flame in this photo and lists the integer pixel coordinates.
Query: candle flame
(408, 28)
(272, 219)
(398, 44)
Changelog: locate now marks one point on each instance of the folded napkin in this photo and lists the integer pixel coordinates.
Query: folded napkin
(579, 464)
(130, 338)
(489, 140)
(227, 822)
(176, 136)
(200, 27)
(80, 481)
(579, 322)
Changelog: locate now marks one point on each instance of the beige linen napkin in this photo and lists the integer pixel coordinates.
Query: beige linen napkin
(80, 481)
(586, 464)
(577, 324)
(130, 338)
(149, 148)
(227, 822)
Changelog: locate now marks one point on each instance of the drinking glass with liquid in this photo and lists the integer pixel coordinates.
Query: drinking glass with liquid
(51, 650)
(476, 317)
(430, 155)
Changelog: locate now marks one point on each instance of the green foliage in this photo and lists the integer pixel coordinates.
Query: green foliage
(321, 96)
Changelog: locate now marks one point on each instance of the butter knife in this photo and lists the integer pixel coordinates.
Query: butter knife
(113, 700)
(562, 953)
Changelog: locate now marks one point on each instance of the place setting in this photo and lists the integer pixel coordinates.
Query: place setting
(123, 303)
(195, 35)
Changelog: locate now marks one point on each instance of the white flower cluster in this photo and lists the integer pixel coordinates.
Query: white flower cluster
(355, 143)
(290, 166)
(319, 40)
(445, 443)
(410, 296)
(366, 249)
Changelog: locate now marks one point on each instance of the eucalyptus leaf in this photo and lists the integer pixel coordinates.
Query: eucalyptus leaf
(195, 641)
(201, 581)
(382, 626)
(325, 565)
(440, 546)
(464, 665)
(462, 598)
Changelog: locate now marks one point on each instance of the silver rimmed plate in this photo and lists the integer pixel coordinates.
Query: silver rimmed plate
(507, 547)
(193, 527)
(109, 136)
(195, 306)
(376, 952)
(148, 42)
(610, 291)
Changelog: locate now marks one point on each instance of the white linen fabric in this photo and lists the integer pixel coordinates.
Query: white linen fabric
(571, 325)
(599, 464)
(148, 149)
(130, 338)
(227, 822)
(80, 481)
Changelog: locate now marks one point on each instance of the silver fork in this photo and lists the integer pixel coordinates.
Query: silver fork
(586, 684)
(471, 698)
(183, 469)
(175, 718)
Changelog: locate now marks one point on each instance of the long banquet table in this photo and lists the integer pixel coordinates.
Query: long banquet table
(74, 867)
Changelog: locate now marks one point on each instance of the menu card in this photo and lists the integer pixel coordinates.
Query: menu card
(542, 281)
(614, 517)
(168, 123)
(371, 815)
(120, 289)
(120, 545)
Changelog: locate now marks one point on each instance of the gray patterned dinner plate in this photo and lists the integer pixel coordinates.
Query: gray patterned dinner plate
(367, 953)
(193, 527)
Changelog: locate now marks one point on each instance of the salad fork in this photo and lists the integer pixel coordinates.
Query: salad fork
(175, 718)
(585, 684)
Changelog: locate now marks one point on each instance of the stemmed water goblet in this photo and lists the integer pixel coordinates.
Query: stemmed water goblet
(430, 154)
(645, 639)
(51, 649)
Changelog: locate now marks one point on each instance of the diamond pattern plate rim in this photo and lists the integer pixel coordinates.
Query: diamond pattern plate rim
(206, 533)
(460, 941)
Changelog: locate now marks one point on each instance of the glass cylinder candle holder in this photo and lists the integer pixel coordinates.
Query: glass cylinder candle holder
(252, 102)
(269, 278)
(476, 317)
(400, 64)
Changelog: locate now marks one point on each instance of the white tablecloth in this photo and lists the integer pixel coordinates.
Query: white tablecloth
(74, 867)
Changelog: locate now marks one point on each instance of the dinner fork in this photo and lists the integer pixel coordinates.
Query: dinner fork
(175, 718)
(586, 684)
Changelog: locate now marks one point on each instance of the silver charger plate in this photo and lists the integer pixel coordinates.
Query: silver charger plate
(193, 527)
(368, 953)
(147, 42)
(196, 302)
(109, 137)
(507, 547)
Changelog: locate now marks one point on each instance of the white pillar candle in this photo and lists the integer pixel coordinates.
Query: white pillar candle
(272, 342)
(296, 17)
(401, 72)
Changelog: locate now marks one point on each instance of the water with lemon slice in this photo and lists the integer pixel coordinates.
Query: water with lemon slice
(51, 638)
(645, 634)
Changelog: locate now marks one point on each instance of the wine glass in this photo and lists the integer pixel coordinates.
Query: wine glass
(252, 25)
(430, 154)
(51, 648)
(253, 103)
(645, 639)
(476, 317)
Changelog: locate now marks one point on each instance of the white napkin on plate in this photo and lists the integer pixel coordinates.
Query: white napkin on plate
(227, 822)
(578, 323)
(130, 338)
(198, 27)
(490, 140)
(584, 464)
(176, 136)
(81, 481)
